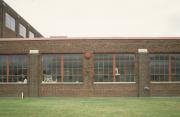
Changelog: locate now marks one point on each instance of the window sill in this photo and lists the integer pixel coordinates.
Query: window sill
(13, 83)
(62, 83)
(166, 82)
(114, 82)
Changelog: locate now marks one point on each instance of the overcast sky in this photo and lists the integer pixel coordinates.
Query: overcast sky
(101, 17)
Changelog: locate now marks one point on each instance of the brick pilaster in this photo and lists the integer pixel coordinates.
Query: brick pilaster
(34, 73)
(143, 81)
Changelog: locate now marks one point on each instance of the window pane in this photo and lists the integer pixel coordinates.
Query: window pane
(9, 22)
(3, 68)
(22, 30)
(16, 63)
(175, 60)
(125, 67)
(11, 68)
(159, 67)
(73, 67)
(103, 71)
(51, 68)
(31, 35)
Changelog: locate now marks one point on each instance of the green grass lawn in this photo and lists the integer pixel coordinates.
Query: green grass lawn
(90, 107)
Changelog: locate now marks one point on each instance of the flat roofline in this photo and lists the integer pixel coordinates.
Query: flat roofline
(90, 38)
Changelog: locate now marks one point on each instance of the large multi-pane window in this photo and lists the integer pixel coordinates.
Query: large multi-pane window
(13, 68)
(9, 22)
(114, 68)
(103, 68)
(73, 68)
(51, 68)
(22, 30)
(175, 67)
(165, 67)
(125, 66)
(62, 68)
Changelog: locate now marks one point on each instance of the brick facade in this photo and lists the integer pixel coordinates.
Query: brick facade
(34, 87)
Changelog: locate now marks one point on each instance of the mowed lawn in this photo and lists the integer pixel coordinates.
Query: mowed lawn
(90, 107)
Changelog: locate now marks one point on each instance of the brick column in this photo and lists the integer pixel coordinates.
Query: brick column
(143, 81)
(88, 74)
(34, 73)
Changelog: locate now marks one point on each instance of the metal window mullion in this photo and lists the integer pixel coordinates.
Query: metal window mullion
(16, 69)
(114, 67)
(2, 70)
(7, 69)
(125, 63)
(62, 68)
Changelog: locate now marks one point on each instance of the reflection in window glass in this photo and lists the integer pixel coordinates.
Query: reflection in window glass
(13, 68)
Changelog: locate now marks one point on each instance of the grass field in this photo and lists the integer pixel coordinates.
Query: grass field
(90, 107)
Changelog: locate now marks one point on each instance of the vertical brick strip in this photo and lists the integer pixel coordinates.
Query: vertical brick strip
(34, 69)
(144, 81)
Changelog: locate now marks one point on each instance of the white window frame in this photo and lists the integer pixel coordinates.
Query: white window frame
(22, 30)
(10, 22)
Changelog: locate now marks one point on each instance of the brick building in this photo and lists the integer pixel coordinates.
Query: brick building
(12, 25)
(90, 66)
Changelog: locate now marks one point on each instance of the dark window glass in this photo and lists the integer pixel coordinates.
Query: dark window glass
(159, 67)
(51, 68)
(69, 64)
(165, 67)
(123, 65)
(175, 59)
(103, 68)
(73, 68)
(13, 68)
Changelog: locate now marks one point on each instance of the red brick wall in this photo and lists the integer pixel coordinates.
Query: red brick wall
(8, 33)
(13, 90)
(80, 46)
(115, 90)
(97, 90)
(165, 89)
(94, 46)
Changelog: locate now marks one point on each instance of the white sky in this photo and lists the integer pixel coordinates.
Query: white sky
(101, 17)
